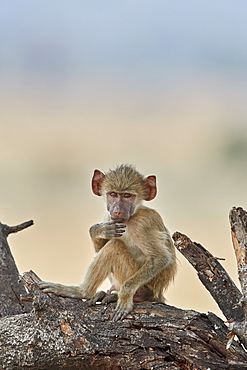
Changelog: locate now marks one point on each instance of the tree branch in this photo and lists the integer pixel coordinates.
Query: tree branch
(10, 290)
(238, 222)
(14, 229)
(64, 333)
(67, 333)
(213, 276)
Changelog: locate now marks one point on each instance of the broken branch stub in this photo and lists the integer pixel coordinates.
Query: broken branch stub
(213, 276)
(238, 222)
(10, 289)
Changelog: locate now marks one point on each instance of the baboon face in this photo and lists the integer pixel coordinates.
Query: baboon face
(120, 205)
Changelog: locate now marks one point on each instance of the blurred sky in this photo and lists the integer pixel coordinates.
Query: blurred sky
(86, 85)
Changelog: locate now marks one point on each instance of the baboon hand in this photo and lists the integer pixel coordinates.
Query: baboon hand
(98, 297)
(112, 229)
(103, 297)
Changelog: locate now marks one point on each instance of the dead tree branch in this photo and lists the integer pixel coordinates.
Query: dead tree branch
(67, 333)
(10, 289)
(213, 276)
(14, 229)
(238, 222)
(64, 333)
(231, 301)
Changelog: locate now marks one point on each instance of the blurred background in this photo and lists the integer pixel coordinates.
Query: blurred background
(92, 84)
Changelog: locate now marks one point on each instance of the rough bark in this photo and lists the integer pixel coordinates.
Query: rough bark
(231, 301)
(10, 289)
(66, 333)
(213, 276)
(238, 222)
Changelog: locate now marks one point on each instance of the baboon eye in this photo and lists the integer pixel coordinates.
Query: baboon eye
(113, 194)
(127, 195)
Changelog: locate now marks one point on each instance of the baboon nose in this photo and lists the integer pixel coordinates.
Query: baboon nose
(118, 215)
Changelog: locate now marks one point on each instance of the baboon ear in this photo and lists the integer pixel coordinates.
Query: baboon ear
(97, 179)
(150, 182)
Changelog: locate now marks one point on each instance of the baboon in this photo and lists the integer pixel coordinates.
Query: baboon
(133, 247)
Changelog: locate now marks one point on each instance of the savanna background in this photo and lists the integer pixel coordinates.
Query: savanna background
(91, 84)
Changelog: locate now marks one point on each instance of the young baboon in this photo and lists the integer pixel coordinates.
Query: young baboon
(133, 247)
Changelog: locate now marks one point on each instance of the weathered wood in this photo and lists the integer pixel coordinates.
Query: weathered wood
(238, 222)
(10, 289)
(66, 333)
(213, 276)
(15, 229)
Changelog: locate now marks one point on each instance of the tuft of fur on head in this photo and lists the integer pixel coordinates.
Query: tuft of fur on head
(124, 179)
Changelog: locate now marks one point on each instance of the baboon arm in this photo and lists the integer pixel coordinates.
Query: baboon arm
(98, 241)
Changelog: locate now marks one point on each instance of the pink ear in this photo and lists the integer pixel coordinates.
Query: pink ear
(97, 179)
(150, 182)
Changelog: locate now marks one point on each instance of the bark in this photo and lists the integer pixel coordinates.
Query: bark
(213, 276)
(238, 222)
(231, 301)
(67, 333)
(10, 289)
